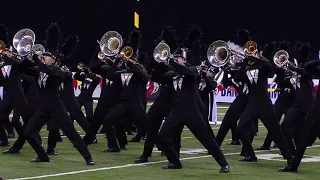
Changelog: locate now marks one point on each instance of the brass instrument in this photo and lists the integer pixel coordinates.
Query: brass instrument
(38, 49)
(126, 52)
(110, 43)
(101, 56)
(82, 67)
(250, 48)
(219, 53)
(281, 59)
(161, 52)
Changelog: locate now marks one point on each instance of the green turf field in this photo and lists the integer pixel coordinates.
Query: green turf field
(197, 164)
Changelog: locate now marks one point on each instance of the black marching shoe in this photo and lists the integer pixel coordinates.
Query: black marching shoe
(90, 162)
(225, 169)
(288, 168)
(4, 144)
(11, 151)
(263, 148)
(11, 136)
(112, 150)
(249, 159)
(38, 159)
(172, 166)
(124, 147)
(233, 142)
(52, 152)
(135, 139)
(141, 159)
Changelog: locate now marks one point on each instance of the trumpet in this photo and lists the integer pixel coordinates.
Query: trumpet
(6, 51)
(82, 67)
(161, 52)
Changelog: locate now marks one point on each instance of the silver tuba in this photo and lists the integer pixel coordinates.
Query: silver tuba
(281, 58)
(161, 52)
(111, 43)
(23, 41)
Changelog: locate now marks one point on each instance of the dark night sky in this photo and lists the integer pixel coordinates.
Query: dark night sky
(268, 20)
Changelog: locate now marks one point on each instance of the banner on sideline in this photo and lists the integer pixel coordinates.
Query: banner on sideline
(227, 95)
(222, 95)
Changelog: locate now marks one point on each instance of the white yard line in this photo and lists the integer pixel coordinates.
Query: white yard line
(129, 165)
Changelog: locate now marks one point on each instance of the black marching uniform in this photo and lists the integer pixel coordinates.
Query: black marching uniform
(108, 97)
(13, 98)
(129, 104)
(186, 112)
(50, 106)
(159, 110)
(259, 105)
(310, 126)
(89, 83)
(283, 103)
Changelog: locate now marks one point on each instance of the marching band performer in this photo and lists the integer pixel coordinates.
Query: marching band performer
(254, 72)
(186, 112)
(286, 97)
(130, 79)
(50, 105)
(310, 126)
(13, 96)
(237, 107)
(162, 106)
(89, 83)
(108, 96)
(304, 97)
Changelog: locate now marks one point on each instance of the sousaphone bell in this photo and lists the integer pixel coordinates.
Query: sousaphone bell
(161, 52)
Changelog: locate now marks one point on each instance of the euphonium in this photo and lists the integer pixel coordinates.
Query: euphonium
(161, 52)
(110, 43)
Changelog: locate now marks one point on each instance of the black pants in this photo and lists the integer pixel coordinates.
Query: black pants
(264, 110)
(96, 120)
(87, 103)
(53, 137)
(290, 124)
(9, 127)
(280, 111)
(133, 109)
(156, 114)
(75, 112)
(310, 130)
(59, 114)
(231, 118)
(193, 119)
(20, 105)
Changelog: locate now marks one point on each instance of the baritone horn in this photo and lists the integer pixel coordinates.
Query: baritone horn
(219, 53)
(161, 52)
(110, 43)
(281, 58)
